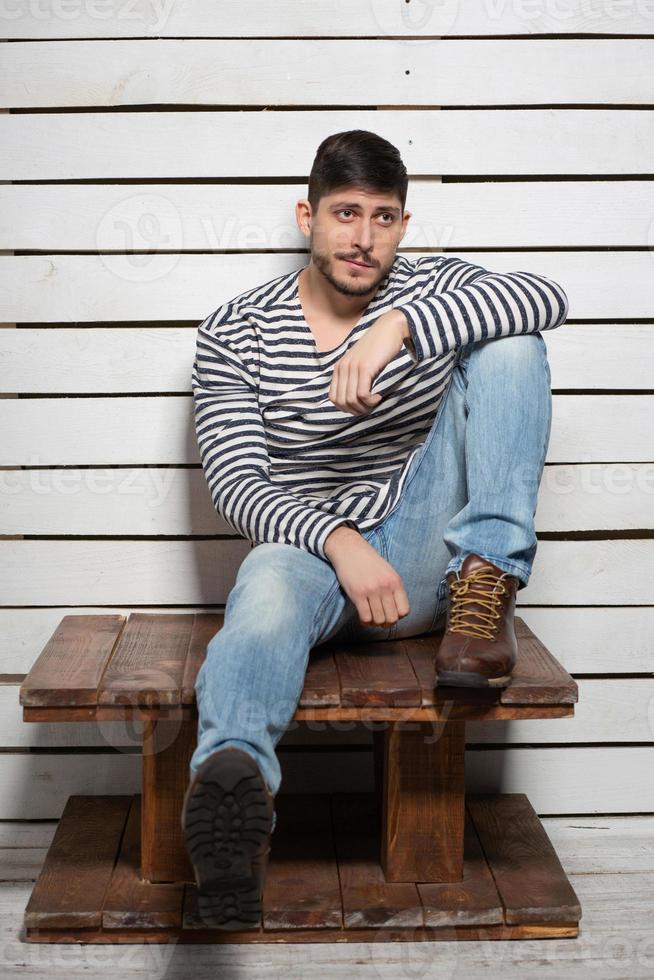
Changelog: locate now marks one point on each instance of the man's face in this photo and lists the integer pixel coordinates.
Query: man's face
(354, 224)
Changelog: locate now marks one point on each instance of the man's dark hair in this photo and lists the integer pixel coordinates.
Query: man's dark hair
(357, 156)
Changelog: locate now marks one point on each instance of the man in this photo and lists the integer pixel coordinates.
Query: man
(374, 513)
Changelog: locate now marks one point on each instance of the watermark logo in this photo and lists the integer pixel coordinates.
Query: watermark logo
(435, 17)
(152, 15)
(147, 230)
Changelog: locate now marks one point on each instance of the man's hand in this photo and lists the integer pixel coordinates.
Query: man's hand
(369, 580)
(356, 371)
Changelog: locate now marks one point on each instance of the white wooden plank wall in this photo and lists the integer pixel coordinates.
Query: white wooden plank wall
(153, 154)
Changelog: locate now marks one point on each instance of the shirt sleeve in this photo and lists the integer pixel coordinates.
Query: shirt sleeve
(234, 454)
(464, 303)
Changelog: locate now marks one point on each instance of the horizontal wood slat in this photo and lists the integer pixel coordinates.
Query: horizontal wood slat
(531, 881)
(132, 901)
(94, 74)
(368, 899)
(322, 684)
(85, 860)
(472, 901)
(70, 667)
(147, 665)
(155, 430)
(302, 888)
(141, 360)
(616, 710)
(538, 677)
(134, 145)
(583, 639)
(593, 779)
(566, 573)
(39, 289)
(153, 501)
(377, 673)
(243, 217)
(277, 18)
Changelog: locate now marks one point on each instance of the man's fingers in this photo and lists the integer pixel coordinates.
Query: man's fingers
(351, 391)
(402, 602)
(365, 384)
(390, 609)
(365, 613)
(341, 387)
(383, 610)
(379, 611)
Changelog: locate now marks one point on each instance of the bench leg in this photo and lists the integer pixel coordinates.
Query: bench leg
(167, 750)
(422, 798)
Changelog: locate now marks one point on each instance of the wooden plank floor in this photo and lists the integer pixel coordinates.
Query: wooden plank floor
(324, 882)
(609, 861)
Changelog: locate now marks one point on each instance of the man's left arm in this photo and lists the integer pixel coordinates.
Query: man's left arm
(480, 306)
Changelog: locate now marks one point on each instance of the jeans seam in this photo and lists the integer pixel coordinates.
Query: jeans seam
(441, 604)
(333, 589)
(416, 461)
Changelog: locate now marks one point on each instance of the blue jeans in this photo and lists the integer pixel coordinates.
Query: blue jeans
(472, 487)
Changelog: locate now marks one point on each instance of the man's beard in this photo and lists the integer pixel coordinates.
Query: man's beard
(353, 287)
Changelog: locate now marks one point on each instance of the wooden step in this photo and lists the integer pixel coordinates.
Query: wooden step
(324, 880)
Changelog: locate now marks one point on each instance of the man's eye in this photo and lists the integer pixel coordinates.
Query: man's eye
(386, 214)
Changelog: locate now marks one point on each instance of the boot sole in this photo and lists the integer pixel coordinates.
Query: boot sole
(226, 821)
(450, 678)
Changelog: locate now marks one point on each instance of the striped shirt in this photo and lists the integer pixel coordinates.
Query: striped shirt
(282, 462)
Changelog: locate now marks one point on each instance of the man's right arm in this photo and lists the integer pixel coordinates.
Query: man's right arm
(234, 453)
(338, 539)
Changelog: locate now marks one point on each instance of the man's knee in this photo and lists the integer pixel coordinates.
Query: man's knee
(517, 346)
(269, 552)
(269, 588)
(519, 352)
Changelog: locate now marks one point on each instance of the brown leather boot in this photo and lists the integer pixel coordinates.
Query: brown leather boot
(479, 647)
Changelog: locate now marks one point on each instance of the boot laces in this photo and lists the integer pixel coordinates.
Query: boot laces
(468, 591)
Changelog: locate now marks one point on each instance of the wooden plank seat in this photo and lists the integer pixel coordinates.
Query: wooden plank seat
(416, 858)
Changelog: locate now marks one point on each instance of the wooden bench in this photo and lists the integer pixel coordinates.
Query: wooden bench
(416, 859)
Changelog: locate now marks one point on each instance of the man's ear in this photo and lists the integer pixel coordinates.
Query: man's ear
(405, 223)
(303, 215)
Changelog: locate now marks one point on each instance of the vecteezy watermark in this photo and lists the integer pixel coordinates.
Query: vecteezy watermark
(147, 712)
(628, 954)
(153, 483)
(399, 949)
(149, 958)
(563, 10)
(436, 17)
(152, 14)
(140, 237)
(599, 479)
(440, 18)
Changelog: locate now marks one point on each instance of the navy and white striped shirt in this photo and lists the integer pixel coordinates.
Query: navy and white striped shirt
(282, 462)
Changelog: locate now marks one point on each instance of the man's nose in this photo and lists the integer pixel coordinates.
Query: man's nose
(363, 238)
